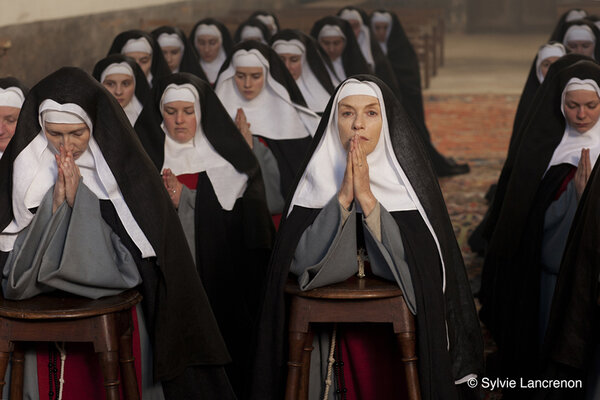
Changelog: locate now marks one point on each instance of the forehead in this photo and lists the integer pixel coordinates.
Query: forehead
(358, 101)
(64, 127)
(581, 95)
(6, 110)
(179, 104)
(118, 77)
(249, 70)
(207, 37)
(578, 42)
(381, 24)
(137, 54)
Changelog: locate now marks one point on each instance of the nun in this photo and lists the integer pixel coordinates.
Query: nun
(12, 96)
(377, 60)
(83, 212)
(252, 29)
(269, 19)
(582, 37)
(337, 40)
(549, 173)
(574, 14)
(212, 42)
(215, 184)
(300, 54)
(262, 97)
(124, 79)
(571, 349)
(178, 51)
(144, 49)
(368, 185)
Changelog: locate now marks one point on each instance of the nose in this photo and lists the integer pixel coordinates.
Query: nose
(119, 90)
(581, 112)
(358, 123)
(247, 82)
(179, 117)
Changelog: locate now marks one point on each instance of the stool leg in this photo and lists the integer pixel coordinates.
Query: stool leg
(307, 351)
(6, 348)
(407, 343)
(16, 374)
(130, 386)
(109, 361)
(297, 340)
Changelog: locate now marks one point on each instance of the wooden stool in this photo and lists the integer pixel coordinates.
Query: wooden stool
(354, 300)
(105, 322)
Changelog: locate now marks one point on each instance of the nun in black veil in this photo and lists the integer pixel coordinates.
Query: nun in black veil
(212, 43)
(252, 29)
(269, 19)
(12, 96)
(116, 228)
(549, 173)
(178, 51)
(144, 49)
(573, 14)
(368, 173)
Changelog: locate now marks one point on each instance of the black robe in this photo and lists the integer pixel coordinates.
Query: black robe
(559, 28)
(232, 246)
(510, 277)
(142, 89)
(159, 67)
(186, 342)
(559, 34)
(455, 306)
(226, 40)
(189, 58)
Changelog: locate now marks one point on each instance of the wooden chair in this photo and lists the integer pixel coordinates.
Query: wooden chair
(105, 322)
(354, 300)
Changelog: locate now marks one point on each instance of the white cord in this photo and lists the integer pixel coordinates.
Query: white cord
(331, 360)
(63, 358)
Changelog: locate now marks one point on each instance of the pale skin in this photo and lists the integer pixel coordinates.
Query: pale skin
(546, 63)
(144, 60)
(583, 47)
(121, 86)
(359, 126)
(380, 30)
(333, 46)
(8, 124)
(71, 140)
(208, 47)
(243, 126)
(173, 55)
(584, 170)
(249, 81)
(293, 62)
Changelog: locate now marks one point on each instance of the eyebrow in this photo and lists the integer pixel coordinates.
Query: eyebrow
(341, 104)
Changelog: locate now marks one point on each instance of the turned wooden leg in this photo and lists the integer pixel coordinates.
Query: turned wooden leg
(109, 361)
(130, 386)
(404, 328)
(305, 374)
(17, 372)
(297, 340)
(4, 356)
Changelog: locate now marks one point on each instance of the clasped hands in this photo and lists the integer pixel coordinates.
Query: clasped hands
(356, 184)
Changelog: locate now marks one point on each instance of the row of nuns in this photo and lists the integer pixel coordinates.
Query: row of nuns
(204, 173)
(539, 237)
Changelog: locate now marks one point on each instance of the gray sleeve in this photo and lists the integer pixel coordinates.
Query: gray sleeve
(387, 257)
(73, 250)
(186, 212)
(271, 177)
(326, 252)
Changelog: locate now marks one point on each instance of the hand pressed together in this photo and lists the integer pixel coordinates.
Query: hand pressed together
(173, 186)
(356, 184)
(68, 179)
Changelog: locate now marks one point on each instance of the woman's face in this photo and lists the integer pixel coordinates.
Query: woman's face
(249, 81)
(180, 120)
(583, 47)
(144, 60)
(8, 124)
(356, 25)
(380, 30)
(582, 109)
(546, 63)
(360, 115)
(73, 137)
(121, 86)
(293, 63)
(208, 47)
(333, 46)
(173, 55)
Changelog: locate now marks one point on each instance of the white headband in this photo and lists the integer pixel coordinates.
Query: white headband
(293, 46)
(117, 68)
(68, 113)
(175, 92)
(580, 33)
(551, 50)
(574, 15)
(381, 17)
(331, 31)
(249, 58)
(352, 88)
(208, 30)
(251, 32)
(141, 45)
(11, 97)
(170, 40)
(351, 15)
